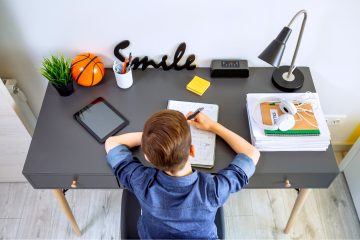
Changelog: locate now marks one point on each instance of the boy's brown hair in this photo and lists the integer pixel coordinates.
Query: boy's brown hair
(166, 140)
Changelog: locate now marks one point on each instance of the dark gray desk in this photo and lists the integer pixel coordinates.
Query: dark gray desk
(61, 151)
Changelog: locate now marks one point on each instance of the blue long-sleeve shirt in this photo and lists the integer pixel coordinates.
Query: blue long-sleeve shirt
(178, 207)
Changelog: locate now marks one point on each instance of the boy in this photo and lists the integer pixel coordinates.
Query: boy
(176, 200)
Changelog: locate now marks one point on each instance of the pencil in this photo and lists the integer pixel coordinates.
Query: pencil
(130, 59)
(124, 67)
(195, 113)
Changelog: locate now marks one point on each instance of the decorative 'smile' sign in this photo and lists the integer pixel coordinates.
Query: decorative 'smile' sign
(145, 61)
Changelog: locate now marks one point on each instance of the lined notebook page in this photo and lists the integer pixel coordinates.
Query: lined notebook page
(203, 141)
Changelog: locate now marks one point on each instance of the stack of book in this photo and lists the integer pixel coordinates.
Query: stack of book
(310, 132)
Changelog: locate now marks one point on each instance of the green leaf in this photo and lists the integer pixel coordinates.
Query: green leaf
(57, 69)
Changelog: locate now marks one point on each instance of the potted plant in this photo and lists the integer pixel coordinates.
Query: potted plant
(57, 70)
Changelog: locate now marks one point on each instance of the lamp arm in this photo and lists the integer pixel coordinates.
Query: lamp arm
(291, 69)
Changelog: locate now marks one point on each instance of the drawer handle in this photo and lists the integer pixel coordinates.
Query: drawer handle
(74, 184)
(287, 183)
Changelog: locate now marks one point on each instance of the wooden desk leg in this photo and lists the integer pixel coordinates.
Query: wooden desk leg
(300, 200)
(60, 197)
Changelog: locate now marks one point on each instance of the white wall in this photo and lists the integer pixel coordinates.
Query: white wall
(211, 29)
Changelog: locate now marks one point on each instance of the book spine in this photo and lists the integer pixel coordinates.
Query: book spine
(314, 132)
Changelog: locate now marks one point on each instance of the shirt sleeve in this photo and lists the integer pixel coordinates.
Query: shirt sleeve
(233, 178)
(127, 169)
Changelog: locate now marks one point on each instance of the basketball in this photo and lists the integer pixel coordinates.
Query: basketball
(87, 69)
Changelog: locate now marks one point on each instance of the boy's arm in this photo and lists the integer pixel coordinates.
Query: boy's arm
(129, 139)
(128, 170)
(235, 176)
(237, 143)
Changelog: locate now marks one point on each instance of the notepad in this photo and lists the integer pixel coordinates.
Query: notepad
(203, 141)
(198, 85)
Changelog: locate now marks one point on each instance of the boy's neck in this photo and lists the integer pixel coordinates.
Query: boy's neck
(186, 170)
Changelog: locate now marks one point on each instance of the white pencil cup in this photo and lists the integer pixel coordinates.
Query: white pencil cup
(124, 80)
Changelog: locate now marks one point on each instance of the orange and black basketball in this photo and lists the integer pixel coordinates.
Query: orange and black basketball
(87, 69)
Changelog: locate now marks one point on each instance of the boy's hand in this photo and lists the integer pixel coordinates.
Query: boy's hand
(201, 121)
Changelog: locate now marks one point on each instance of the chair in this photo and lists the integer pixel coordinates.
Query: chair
(130, 212)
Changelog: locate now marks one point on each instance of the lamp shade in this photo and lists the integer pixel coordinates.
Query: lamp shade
(274, 52)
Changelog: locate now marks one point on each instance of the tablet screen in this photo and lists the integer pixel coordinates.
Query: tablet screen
(100, 119)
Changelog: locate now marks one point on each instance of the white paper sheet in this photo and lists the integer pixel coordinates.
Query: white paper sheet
(203, 141)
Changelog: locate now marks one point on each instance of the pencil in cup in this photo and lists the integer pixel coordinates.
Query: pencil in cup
(123, 80)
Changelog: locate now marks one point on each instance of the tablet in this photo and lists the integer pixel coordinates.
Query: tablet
(101, 119)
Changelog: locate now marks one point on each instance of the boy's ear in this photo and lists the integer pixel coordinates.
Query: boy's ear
(192, 151)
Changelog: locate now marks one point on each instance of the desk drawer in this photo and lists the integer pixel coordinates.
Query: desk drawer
(313, 180)
(46, 181)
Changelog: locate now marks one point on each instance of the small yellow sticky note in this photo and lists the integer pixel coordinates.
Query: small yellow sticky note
(198, 85)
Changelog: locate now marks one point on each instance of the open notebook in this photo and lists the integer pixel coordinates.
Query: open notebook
(203, 141)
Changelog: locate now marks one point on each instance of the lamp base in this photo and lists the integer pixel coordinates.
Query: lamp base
(291, 84)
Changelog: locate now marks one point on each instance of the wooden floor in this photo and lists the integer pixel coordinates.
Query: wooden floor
(26, 213)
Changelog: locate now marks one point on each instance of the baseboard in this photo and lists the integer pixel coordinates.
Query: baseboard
(341, 146)
(351, 155)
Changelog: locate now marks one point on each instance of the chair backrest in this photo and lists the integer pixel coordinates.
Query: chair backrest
(130, 213)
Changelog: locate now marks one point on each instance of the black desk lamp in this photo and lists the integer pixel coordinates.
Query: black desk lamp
(285, 78)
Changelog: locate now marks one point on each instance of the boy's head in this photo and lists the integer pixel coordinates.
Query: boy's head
(166, 140)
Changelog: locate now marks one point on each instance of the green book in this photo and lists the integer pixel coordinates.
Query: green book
(313, 132)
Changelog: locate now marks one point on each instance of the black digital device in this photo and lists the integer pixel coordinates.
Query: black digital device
(101, 119)
(229, 68)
